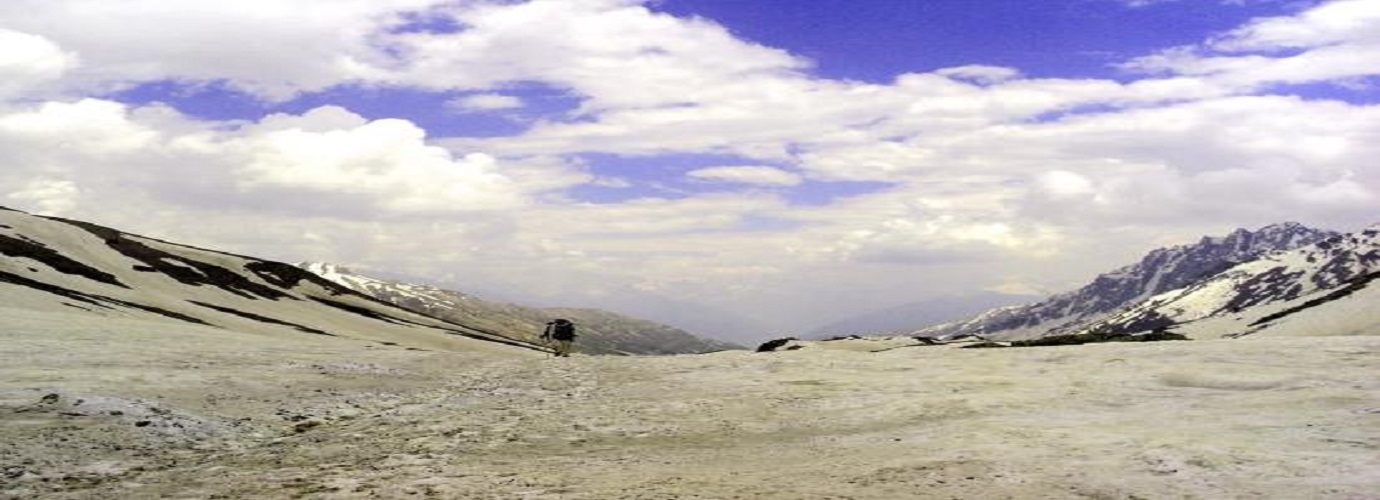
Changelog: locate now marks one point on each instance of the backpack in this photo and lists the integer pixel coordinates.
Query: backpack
(561, 329)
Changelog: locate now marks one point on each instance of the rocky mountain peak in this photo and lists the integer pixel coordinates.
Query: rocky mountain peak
(1328, 273)
(1247, 244)
(1159, 271)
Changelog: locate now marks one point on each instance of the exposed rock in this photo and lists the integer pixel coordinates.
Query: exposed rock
(775, 344)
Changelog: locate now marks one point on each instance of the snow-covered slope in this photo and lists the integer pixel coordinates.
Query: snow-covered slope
(601, 332)
(1159, 271)
(1327, 288)
(82, 417)
(58, 265)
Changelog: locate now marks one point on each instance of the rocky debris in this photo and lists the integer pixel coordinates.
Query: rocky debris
(164, 423)
(1095, 337)
(781, 344)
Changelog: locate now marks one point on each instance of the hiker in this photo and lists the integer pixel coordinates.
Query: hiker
(561, 332)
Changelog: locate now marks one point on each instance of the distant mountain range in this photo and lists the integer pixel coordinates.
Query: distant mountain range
(71, 267)
(601, 332)
(904, 318)
(1138, 297)
(1282, 279)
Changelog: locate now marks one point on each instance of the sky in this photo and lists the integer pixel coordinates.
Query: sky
(745, 169)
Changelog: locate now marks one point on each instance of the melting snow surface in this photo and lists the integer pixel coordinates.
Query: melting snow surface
(317, 417)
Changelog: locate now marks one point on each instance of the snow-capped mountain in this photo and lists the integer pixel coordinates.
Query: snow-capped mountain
(1327, 288)
(601, 332)
(68, 267)
(1159, 271)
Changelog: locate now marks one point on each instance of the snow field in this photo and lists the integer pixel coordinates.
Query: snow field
(333, 418)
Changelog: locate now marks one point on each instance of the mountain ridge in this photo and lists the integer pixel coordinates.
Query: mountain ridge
(1160, 270)
(1268, 292)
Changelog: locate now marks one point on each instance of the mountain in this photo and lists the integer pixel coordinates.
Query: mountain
(601, 332)
(1159, 271)
(1329, 287)
(69, 267)
(907, 317)
(608, 330)
(705, 320)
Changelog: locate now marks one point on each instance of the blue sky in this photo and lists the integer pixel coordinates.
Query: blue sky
(782, 163)
(876, 40)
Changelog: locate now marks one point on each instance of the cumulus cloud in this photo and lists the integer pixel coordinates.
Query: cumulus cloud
(272, 49)
(1065, 184)
(1244, 158)
(48, 196)
(658, 59)
(29, 61)
(384, 162)
(324, 160)
(277, 51)
(989, 173)
(91, 126)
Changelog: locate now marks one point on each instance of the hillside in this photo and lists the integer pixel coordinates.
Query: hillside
(601, 332)
(63, 266)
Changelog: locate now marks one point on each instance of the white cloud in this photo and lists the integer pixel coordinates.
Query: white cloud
(1331, 42)
(616, 53)
(1331, 23)
(381, 165)
(983, 75)
(1065, 184)
(28, 61)
(1228, 160)
(992, 177)
(384, 162)
(874, 161)
(317, 120)
(271, 48)
(747, 174)
(325, 160)
(643, 217)
(933, 241)
(48, 196)
(1147, 3)
(90, 125)
(484, 102)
